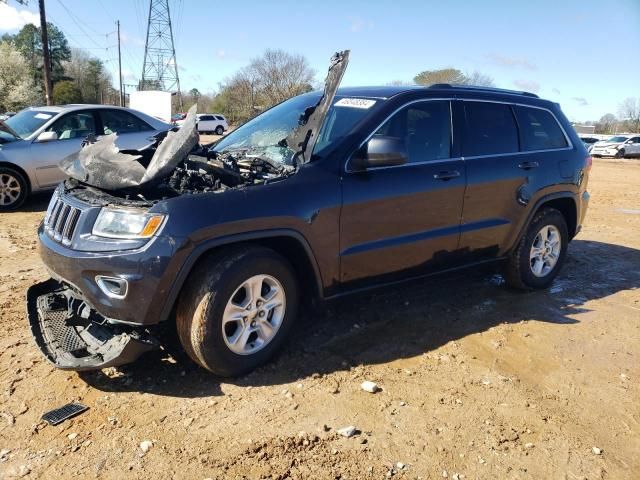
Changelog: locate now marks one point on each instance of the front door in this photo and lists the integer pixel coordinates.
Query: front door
(71, 130)
(404, 220)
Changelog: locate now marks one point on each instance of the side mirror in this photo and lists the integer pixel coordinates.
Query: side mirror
(380, 151)
(47, 137)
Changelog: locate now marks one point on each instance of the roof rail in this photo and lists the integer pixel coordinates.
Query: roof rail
(487, 89)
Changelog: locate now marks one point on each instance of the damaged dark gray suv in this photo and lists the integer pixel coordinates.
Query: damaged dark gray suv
(324, 194)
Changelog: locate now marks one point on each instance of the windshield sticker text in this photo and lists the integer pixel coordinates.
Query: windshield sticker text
(355, 103)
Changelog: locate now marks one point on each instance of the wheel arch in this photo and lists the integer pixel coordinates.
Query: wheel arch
(564, 202)
(289, 243)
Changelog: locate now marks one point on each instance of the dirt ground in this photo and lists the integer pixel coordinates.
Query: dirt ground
(477, 381)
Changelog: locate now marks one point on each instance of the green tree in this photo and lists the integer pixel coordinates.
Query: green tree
(17, 89)
(453, 76)
(29, 42)
(66, 92)
(445, 75)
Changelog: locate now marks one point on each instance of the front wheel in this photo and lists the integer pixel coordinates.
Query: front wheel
(236, 309)
(537, 259)
(620, 153)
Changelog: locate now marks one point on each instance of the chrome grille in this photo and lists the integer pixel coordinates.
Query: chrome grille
(61, 220)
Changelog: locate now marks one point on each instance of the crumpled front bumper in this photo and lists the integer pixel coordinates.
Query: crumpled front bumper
(72, 336)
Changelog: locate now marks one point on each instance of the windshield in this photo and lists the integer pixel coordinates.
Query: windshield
(28, 121)
(263, 133)
(617, 139)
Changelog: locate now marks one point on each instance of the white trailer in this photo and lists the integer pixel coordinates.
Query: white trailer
(152, 102)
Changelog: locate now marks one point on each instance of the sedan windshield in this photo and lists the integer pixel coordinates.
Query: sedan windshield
(617, 139)
(263, 134)
(27, 121)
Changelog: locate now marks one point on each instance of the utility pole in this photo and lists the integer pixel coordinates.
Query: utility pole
(45, 52)
(120, 66)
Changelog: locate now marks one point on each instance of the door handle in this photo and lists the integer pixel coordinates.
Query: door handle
(528, 165)
(446, 175)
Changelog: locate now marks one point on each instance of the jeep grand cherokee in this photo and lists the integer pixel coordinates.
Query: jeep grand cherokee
(325, 194)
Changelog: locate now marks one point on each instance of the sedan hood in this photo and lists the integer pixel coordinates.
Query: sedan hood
(6, 128)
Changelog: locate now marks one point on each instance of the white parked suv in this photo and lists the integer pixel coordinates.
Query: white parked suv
(618, 146)
(210, 122)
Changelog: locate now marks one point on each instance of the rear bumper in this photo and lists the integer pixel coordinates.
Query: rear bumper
(73, 336)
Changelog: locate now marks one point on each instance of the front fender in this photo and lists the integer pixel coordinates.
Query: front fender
(199, 250)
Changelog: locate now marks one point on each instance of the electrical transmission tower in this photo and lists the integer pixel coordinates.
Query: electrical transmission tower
(160, 70)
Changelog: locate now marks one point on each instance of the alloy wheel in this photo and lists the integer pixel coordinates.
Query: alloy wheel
(253, 314)
(10, 189)
(545, 251)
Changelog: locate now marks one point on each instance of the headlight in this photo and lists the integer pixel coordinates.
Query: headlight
(121, 223)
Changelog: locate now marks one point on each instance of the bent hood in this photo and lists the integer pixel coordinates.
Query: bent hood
(102, 165)
(304, 137)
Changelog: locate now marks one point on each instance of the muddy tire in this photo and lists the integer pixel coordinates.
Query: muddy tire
(219, 130)
(537, 259)
(14, 189)
(236, 309)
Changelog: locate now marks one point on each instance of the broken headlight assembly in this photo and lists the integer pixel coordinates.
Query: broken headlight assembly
(127, 223)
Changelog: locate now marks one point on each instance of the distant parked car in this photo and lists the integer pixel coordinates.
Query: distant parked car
(178, 118)
(589, 142)
(7, 115)
(209, 122)
(618, 146)
(35, 140)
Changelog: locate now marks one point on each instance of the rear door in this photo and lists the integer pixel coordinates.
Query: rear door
(206, 123)
(71, 129)
(403, 220)
(511, 154)
(633, 147)
(133, 132)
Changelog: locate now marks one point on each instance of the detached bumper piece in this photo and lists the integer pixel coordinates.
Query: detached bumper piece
(72, 336)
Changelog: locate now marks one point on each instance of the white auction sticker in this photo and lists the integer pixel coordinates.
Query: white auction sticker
(355, 103)
(43, 116)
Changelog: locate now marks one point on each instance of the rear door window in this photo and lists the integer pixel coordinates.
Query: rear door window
(490, 129)
(539, 130)
(117, 121)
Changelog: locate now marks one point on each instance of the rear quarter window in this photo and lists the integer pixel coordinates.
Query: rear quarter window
(490, 129)
(539, 130)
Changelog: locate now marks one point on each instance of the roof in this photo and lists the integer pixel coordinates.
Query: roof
(73, 106)
(389, 91)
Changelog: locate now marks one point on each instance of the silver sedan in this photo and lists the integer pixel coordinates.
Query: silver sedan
(35, 140)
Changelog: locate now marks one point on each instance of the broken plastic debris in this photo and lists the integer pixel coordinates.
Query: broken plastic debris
(59, 415)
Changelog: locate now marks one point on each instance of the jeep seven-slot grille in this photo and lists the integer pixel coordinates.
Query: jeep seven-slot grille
(62, 220)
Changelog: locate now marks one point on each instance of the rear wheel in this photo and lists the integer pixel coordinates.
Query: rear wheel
(13, 189)
(537, 259)
(236, 309)
(219, 130)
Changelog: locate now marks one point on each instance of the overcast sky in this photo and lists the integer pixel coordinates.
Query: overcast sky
(581, 53)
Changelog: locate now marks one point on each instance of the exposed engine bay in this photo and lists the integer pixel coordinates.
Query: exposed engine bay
(174, 163)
